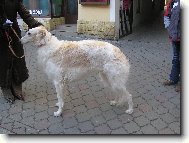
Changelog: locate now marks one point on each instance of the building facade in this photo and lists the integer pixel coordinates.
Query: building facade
(105, 18)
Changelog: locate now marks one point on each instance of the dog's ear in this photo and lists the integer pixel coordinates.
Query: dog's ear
(42, 33)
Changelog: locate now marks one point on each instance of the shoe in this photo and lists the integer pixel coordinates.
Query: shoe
(8, 95)
(178, 88)
(17, 91)
(168, 83)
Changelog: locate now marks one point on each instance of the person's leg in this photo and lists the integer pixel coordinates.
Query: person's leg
(175, 71)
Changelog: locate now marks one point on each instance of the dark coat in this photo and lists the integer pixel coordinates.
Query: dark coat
(12, 68)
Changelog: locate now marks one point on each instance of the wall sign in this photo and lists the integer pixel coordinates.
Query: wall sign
(36, 12)
(94, 2)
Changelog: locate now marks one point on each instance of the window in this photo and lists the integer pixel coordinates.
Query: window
(38, 8)
(57, 8)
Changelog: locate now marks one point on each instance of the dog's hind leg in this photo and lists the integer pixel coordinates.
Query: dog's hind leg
(60, 96)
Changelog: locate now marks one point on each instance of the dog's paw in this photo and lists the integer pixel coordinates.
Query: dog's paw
(113, 103)
(56, 114)
(129, 111)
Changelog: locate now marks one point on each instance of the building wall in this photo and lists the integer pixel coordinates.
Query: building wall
(102, 21)
(90, 13)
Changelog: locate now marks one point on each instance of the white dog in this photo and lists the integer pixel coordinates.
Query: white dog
(65, 61)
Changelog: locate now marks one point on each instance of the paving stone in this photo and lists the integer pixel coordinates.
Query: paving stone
(125, 118)
(137, 113)
(72, 131)
(175, 112)
(168, 118)
(44, 132)
(15, 109)
(7, 126)
(175, 100)
(166, 131)
(161, 110)
(101, 100)
(90, 132)
(149, 129)
(138, 101)
(102, 129)
(83, 117)
(108, 115)
(15, 117)
(86, 92)
(20, 130)
(42, 124)
(80, 109)
(69, 122)
(119, 110)
(141, 121)
(68, 113)
(28, 121)
(28, 112)
(94, 112)
(105, 107)
(131, 127)
(98, 120)
(56, 128)
(88, 98)
(152, 115)
(76, 95)
(31, 131)
(41, 115)
(4, 107)
(53, 120)
(28, 105)
(119, 131)
(40, 108)
(114, 124)
(77, 102)
(85, 126)
(145, 107)
(91, 104)
(51, 110)
(175, 126)
(159, 124)
(5, 131)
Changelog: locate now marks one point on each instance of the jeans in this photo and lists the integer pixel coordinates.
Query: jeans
(175, 71)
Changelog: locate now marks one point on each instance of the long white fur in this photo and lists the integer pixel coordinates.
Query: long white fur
(65, 61)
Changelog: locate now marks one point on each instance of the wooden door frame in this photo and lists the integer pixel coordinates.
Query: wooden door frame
(65, 10)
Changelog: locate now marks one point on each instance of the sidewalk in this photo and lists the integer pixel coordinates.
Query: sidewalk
(87, 109)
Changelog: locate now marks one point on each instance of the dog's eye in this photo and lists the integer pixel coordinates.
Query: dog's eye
(29, 33)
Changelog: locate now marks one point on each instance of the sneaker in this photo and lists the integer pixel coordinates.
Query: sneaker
(8, 95)
(17, 91)
(168, 83)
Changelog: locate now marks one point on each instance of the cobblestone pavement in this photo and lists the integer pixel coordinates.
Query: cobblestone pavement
(87, 109)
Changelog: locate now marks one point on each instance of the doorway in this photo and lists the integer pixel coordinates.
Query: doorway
(71, 11)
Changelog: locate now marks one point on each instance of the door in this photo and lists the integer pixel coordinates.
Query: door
(71, 11)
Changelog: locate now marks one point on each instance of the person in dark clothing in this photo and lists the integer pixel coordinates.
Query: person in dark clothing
(172, 22)
(13, 70)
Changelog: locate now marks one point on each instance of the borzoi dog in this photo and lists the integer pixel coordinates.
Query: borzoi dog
(65, 61)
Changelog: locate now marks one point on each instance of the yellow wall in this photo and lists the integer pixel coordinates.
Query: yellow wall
(93, 12)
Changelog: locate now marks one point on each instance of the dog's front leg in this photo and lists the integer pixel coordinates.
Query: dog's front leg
(60, 96)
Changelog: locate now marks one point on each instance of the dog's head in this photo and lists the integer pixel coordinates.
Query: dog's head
(38, 35)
